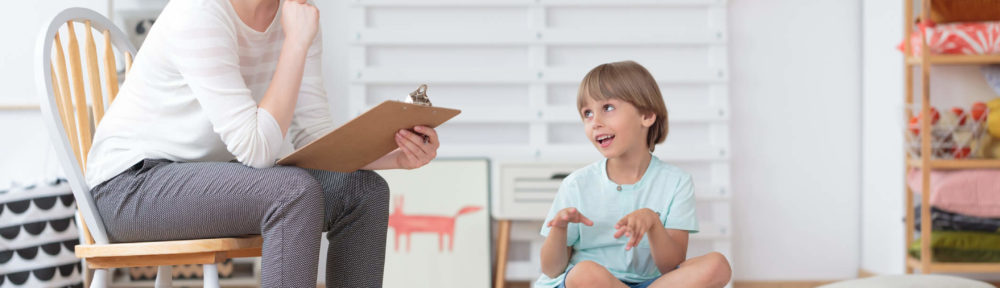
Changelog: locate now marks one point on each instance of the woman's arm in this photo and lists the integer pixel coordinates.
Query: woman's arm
(300, 22)
(311, 119)
(203, 46)
(413, 152)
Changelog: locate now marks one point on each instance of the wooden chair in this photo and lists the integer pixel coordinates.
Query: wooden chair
(68, 116)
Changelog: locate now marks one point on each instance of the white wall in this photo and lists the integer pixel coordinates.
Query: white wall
(795, 100)
(882, 138)
(335, 24)
(24, 147)
(335, 21)
(796, 120)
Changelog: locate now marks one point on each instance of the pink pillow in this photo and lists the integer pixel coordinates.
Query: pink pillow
(969, 192)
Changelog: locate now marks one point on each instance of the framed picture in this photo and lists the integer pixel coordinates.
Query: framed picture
(439, 225)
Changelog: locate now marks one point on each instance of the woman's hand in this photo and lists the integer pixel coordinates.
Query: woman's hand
(417, 150)
(635, 225)
(300, 20)
(569, 215)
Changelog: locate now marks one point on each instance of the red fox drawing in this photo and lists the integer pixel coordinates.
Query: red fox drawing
(404, 224)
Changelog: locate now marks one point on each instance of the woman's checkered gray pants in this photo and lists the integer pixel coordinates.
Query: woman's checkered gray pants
(289, 206)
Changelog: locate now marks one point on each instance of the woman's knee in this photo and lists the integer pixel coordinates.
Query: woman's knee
(371, 180)
(300, 186)
(372, 187)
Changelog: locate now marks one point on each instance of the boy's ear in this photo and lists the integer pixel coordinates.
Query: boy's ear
(648, 119)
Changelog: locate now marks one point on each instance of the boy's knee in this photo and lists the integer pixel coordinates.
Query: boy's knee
(718, 270)
(586, 274)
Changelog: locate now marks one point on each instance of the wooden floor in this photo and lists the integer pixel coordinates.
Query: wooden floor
(518, 284)
(762, 284)
(780, 284)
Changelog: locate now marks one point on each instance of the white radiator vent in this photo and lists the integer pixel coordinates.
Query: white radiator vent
(527, 190)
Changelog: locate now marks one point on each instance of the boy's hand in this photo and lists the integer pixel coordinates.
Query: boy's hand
(569, 215)
(637, 224)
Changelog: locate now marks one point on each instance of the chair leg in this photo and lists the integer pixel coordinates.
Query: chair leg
(211, 275)
(164, 277)
(100, 279)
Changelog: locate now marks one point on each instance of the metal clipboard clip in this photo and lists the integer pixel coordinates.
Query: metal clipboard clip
(419, 96)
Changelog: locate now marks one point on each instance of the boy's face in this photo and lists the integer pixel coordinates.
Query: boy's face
(616, 127)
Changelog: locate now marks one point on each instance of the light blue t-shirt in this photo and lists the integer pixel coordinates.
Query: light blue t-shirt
(664, 188)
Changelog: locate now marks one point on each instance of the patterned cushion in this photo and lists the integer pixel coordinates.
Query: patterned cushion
(968, 38)
(37, 236)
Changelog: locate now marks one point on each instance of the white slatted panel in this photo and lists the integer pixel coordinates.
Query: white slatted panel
(513, 67)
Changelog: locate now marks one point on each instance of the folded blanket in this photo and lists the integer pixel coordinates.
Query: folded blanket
(971, 192)
(962, 246)
(942, 220)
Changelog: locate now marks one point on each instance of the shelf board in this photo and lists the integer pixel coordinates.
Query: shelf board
(958, 164)
(710, 231)
(964, 267)
(574, 152)
(533, 3)
(18, 105)
(568, 114)
(955, 59)
(526, 36)
(391, 75)
(26, 107)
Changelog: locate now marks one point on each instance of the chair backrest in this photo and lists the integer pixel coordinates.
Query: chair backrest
(61, 79)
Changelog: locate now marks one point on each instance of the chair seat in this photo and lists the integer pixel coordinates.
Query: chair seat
(199, 251)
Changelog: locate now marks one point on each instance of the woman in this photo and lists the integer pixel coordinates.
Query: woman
(188, 147)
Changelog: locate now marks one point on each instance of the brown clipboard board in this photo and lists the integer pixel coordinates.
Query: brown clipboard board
(366, 138)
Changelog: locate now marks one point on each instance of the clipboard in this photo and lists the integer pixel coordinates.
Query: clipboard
(366, 138)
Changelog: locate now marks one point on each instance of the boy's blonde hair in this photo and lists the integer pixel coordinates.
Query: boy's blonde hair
(630, 82)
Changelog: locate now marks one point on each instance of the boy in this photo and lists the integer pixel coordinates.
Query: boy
(642, 208)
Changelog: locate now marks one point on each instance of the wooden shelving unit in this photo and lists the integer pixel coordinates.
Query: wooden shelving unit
(924, 61)
(941, 164)
(952, 267)
(954, 59)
